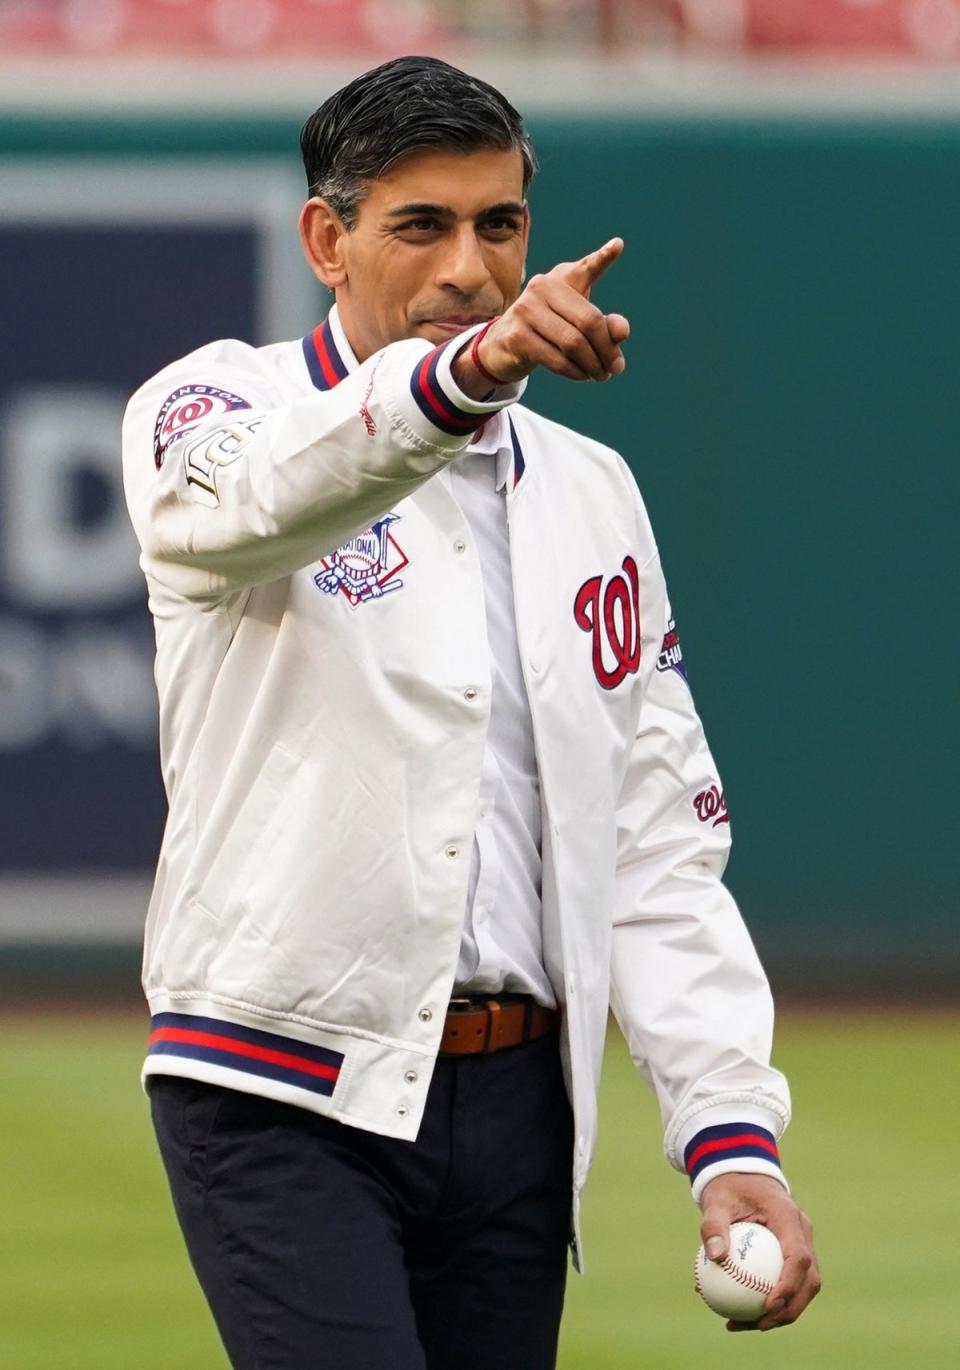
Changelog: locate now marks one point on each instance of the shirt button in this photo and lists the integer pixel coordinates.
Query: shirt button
(402, 1110)
(459, 545)
(470, 694)
(452, 852)
(425, 1015)
(411, 1077)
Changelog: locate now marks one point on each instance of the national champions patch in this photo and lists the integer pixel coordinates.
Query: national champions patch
(671, 653)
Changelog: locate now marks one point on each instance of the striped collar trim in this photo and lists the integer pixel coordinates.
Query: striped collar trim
(727, 1142)
(323, 357)
(248, 1050)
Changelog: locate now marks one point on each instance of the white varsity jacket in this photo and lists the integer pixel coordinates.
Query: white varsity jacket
(323, 676)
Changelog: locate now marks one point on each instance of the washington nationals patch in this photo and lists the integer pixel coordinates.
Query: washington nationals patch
(187, 407)
(611, 614)
(367, 567)
(711, 807)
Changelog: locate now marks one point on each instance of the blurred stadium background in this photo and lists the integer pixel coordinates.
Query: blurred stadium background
(786, 174)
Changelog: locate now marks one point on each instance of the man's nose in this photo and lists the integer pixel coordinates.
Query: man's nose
(463, 266)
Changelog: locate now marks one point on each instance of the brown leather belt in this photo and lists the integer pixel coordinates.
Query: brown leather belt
(476, 1026)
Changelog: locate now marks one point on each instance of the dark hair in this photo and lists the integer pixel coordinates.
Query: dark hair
(411, 104)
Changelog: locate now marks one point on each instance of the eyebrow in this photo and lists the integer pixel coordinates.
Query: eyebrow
(445, 212)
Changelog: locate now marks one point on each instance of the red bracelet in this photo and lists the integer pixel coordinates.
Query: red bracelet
(475, 353)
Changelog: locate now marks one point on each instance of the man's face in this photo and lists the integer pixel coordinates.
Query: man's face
(439, 244)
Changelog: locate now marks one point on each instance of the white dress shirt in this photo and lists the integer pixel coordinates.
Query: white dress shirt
(502, 946)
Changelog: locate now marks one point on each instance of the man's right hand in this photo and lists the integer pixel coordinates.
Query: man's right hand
(552, 324)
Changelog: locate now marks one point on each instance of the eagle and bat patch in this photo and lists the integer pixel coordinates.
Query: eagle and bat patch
(367, 567)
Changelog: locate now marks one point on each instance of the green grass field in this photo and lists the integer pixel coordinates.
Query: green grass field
(93, 1276)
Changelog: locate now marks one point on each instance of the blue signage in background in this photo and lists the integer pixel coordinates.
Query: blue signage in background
(93, 305)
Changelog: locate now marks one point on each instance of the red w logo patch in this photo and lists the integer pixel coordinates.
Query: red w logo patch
(615, 620)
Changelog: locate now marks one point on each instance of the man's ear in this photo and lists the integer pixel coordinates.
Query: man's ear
(323, 236)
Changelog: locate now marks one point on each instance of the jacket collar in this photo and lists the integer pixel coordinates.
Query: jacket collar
(329, 358)
(328, 355)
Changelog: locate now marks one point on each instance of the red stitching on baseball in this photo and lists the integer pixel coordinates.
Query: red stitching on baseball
(744, 1277)
(737, 1273)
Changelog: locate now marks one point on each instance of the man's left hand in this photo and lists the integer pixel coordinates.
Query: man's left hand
(737, 1198)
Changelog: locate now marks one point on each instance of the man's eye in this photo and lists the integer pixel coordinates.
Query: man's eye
(420, 225)
(501, 227)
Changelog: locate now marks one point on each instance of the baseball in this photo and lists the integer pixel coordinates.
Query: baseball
(737, 1288)
(356, 561)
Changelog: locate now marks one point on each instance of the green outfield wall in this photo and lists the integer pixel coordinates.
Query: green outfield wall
(791, 411)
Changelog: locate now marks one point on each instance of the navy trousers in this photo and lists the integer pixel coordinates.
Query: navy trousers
(323, 1247)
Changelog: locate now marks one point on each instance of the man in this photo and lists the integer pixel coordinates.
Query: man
(438, 793)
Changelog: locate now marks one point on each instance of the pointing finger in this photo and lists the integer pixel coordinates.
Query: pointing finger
(585, 273)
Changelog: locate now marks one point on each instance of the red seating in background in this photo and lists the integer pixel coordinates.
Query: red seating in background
(927, 27)
(214, 27)
(335, 28)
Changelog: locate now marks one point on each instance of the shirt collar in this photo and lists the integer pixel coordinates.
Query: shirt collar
(330, 357)
(494, 441)
(343, 347)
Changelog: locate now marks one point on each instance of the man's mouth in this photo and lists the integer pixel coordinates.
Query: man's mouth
(452, 324)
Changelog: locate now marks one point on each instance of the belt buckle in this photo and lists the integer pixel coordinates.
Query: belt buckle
(462, 1005)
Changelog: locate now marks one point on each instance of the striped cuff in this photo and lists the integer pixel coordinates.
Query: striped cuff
(248, 1050)
(746, 1145)
(728, 1142)
(441, 401)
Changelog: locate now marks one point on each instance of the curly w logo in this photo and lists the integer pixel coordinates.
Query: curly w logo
(613, 618)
